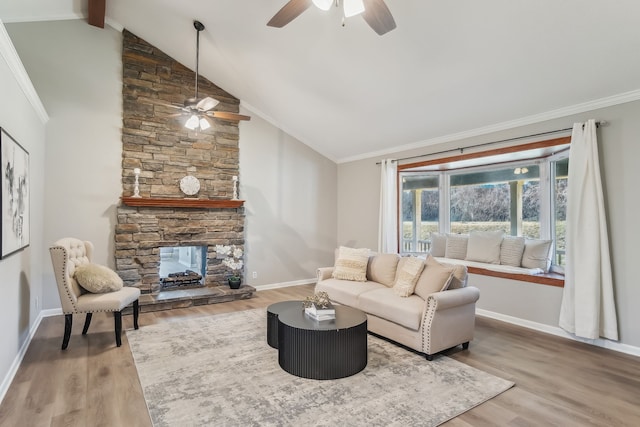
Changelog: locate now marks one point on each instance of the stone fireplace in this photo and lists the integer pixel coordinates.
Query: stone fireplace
(155, 141)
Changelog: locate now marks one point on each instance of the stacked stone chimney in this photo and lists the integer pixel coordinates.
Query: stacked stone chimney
(155, 141)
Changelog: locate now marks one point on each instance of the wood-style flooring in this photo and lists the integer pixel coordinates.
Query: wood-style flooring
(93, 383)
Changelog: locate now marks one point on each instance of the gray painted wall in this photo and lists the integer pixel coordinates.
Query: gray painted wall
(21, 273)
(358, 198)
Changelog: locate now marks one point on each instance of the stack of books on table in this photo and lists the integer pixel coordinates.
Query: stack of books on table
(320, 313)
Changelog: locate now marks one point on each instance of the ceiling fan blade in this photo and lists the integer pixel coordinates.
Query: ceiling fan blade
(289, 12)
(207, 104)
(378, 16)
(225, 115)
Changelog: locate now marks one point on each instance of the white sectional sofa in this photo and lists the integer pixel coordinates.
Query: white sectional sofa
(438, 314)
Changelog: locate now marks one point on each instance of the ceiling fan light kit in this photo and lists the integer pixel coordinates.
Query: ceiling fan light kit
(352, 8)
(323, 4)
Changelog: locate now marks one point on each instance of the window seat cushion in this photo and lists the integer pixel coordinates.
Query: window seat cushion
(495, 267)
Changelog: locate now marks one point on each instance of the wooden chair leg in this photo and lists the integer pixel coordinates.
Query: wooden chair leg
(68, 321)
(136, 310)
(117, 316)
(87, 322)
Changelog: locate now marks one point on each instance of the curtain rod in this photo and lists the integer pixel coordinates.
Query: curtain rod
(461, 149)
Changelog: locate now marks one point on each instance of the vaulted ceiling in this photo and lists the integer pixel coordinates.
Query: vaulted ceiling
(454, 67)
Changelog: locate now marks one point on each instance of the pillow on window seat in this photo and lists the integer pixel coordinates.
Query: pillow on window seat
(456, 246)
(536, 254)
(511, 251)
(438, 244)
(484, 246)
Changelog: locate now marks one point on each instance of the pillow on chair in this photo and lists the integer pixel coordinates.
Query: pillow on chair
(97, 279)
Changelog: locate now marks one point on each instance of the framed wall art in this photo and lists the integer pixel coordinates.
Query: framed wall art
(14, 203)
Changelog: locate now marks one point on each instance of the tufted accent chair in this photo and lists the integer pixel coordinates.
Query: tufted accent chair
(66, 255)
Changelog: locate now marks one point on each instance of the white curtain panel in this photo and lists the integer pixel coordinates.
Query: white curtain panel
(588, 307)
(388, 226)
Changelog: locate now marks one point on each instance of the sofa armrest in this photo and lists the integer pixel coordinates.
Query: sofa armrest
(454, 297)
(449, 319)
(324, 273)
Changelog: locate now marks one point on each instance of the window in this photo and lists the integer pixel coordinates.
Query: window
(521, 192)
(560, 181)
(420, 211)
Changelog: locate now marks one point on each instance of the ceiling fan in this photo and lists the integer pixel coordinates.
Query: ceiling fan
(198, 109)
(375, 12)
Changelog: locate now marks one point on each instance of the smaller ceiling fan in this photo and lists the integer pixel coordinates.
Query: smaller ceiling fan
(375, 12)
(199, 109)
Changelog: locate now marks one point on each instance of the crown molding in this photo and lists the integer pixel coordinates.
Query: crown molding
(8, 52)
(609, 101)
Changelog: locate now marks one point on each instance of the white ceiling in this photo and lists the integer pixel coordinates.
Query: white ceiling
(454, 67)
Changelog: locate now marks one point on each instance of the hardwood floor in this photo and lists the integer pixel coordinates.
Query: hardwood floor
(94, 383)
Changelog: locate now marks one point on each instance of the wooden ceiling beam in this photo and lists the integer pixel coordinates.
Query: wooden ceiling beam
(97, 10)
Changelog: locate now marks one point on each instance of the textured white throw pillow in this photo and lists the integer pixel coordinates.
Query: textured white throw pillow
(97, 279)
(511, 251)
(407, 276)
(536, 254)
(351, 264)
(438, 244)
(484, 246)
(456, 246)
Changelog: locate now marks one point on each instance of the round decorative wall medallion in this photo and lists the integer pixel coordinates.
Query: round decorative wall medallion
(190, 185)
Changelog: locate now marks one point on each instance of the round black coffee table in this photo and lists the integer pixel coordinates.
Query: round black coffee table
(273, 311)
(322, 350)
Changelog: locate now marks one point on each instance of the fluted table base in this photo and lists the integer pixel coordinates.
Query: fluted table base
(322, 350)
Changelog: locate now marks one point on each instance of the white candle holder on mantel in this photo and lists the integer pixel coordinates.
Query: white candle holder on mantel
(235, 188)
(136, 186)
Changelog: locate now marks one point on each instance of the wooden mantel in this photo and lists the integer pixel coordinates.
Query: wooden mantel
(181, 203)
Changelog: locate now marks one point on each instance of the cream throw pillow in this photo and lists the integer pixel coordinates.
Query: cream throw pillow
(438, 244)
(484, 246)
(456, 246)
(536, 254)
(435, 277)
(97, 279)
(511, 251)
(407, 276)
(351, 264)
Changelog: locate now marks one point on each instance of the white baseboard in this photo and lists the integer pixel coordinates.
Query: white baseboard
(6, 383)
(51, 312)
(557, 331)
(284, 284)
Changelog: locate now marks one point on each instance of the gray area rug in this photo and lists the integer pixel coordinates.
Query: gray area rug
(220, 371)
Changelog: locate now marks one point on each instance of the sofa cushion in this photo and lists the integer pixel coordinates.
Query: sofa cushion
(346, 292)
(435, 277)
(408, 276)
(484, 246)
(382, 268)
(351, 264)
(438, 244)
(386, 304)
(456, 246)
(511, 251)
(97, 279)
(536, 254)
